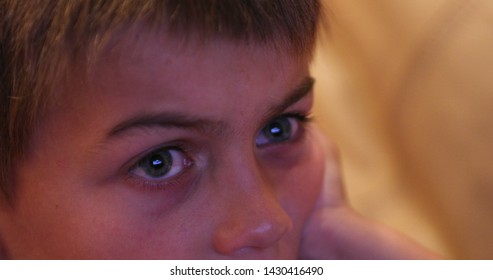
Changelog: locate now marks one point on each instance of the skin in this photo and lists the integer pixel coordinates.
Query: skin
(233, 194)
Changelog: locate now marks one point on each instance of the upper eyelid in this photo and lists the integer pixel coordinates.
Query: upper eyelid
(296, 114)
(290, 113)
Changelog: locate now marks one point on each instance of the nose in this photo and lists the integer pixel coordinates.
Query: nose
(253, 221)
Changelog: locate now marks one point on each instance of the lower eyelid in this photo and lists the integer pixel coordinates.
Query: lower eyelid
(144, 184)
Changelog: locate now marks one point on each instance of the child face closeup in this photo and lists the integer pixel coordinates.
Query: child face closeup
(172, 151)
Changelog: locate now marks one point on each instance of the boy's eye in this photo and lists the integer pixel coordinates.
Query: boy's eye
(279, 130)
(160, 164)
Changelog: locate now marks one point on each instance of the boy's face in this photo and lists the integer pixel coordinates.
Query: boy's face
(172, 150)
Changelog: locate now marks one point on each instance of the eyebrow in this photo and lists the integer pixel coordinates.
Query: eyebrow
(295, 95)
(179, 120)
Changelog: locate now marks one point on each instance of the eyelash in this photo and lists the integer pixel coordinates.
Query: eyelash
(177, 180)
(303, 118)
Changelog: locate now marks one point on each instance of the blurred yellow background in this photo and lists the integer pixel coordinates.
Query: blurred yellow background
(405, 88)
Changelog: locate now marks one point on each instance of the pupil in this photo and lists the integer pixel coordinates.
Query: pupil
(279, 130)
(157, 164)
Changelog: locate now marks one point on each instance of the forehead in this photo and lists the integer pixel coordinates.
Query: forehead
(186, 73)
(152, 50)
(148, 74)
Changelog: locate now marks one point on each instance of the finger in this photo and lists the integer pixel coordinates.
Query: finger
(332, 191)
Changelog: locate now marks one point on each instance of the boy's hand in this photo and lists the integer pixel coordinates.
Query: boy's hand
(317, 242)
(335, 231)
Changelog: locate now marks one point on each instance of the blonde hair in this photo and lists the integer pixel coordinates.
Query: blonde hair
(39, 39)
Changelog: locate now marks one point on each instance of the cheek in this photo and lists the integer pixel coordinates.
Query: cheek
(140, 229)
(300, 187)
(127, 231)
(55, 221)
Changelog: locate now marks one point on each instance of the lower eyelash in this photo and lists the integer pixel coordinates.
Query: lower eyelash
(158, 185)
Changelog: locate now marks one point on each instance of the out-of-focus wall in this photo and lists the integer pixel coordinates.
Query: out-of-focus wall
(404, 88)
